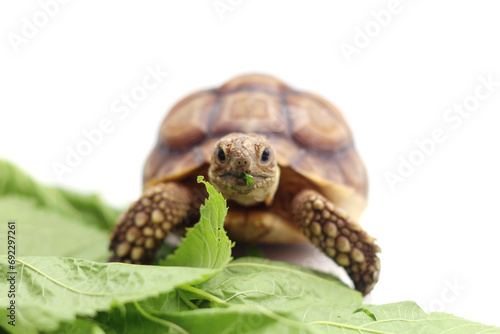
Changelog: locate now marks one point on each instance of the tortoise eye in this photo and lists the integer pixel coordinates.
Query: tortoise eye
(266, 154)
(221, 155)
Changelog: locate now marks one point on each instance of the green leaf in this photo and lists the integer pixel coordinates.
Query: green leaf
(278, 285)
(239, 319)
(233, 319)
(206, 245)
(249, 179)
(140, 317)
(52, 290)
(79, 325)
(281, 297)
(403, 317)
(43, 232)
(85, 208)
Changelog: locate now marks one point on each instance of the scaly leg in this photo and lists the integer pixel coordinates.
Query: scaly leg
(140, 231)
(338, 237)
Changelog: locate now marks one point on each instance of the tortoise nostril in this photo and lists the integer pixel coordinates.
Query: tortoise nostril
(240, 163)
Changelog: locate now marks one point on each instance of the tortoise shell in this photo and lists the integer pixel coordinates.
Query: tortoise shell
(312, 141)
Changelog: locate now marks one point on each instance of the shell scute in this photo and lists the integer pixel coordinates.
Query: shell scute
(249, 111)
(187, 123)
(315, 125)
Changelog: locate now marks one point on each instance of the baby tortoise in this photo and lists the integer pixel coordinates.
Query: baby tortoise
(309, 184)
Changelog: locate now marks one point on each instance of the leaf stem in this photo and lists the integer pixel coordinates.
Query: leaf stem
(187, 301)
(204, 294)
(160, 321)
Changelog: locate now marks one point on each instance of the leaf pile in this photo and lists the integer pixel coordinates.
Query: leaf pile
(198, 289)
(53, 221)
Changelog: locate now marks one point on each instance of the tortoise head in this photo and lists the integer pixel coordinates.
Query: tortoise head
(244, 168)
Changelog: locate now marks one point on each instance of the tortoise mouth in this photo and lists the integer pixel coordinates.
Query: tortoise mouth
(236, 181)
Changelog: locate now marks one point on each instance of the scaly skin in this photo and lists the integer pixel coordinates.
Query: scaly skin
(341, 239)
(244, 154)
(140, 231)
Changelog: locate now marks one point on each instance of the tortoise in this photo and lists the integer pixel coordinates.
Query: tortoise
(309, 183)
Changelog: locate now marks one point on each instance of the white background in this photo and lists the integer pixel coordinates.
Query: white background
(441, 225)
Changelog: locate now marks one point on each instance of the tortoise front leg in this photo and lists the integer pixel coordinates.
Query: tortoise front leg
(140, 231)
(338, 237)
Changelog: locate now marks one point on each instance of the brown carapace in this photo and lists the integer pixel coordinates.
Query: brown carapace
(310, 184)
